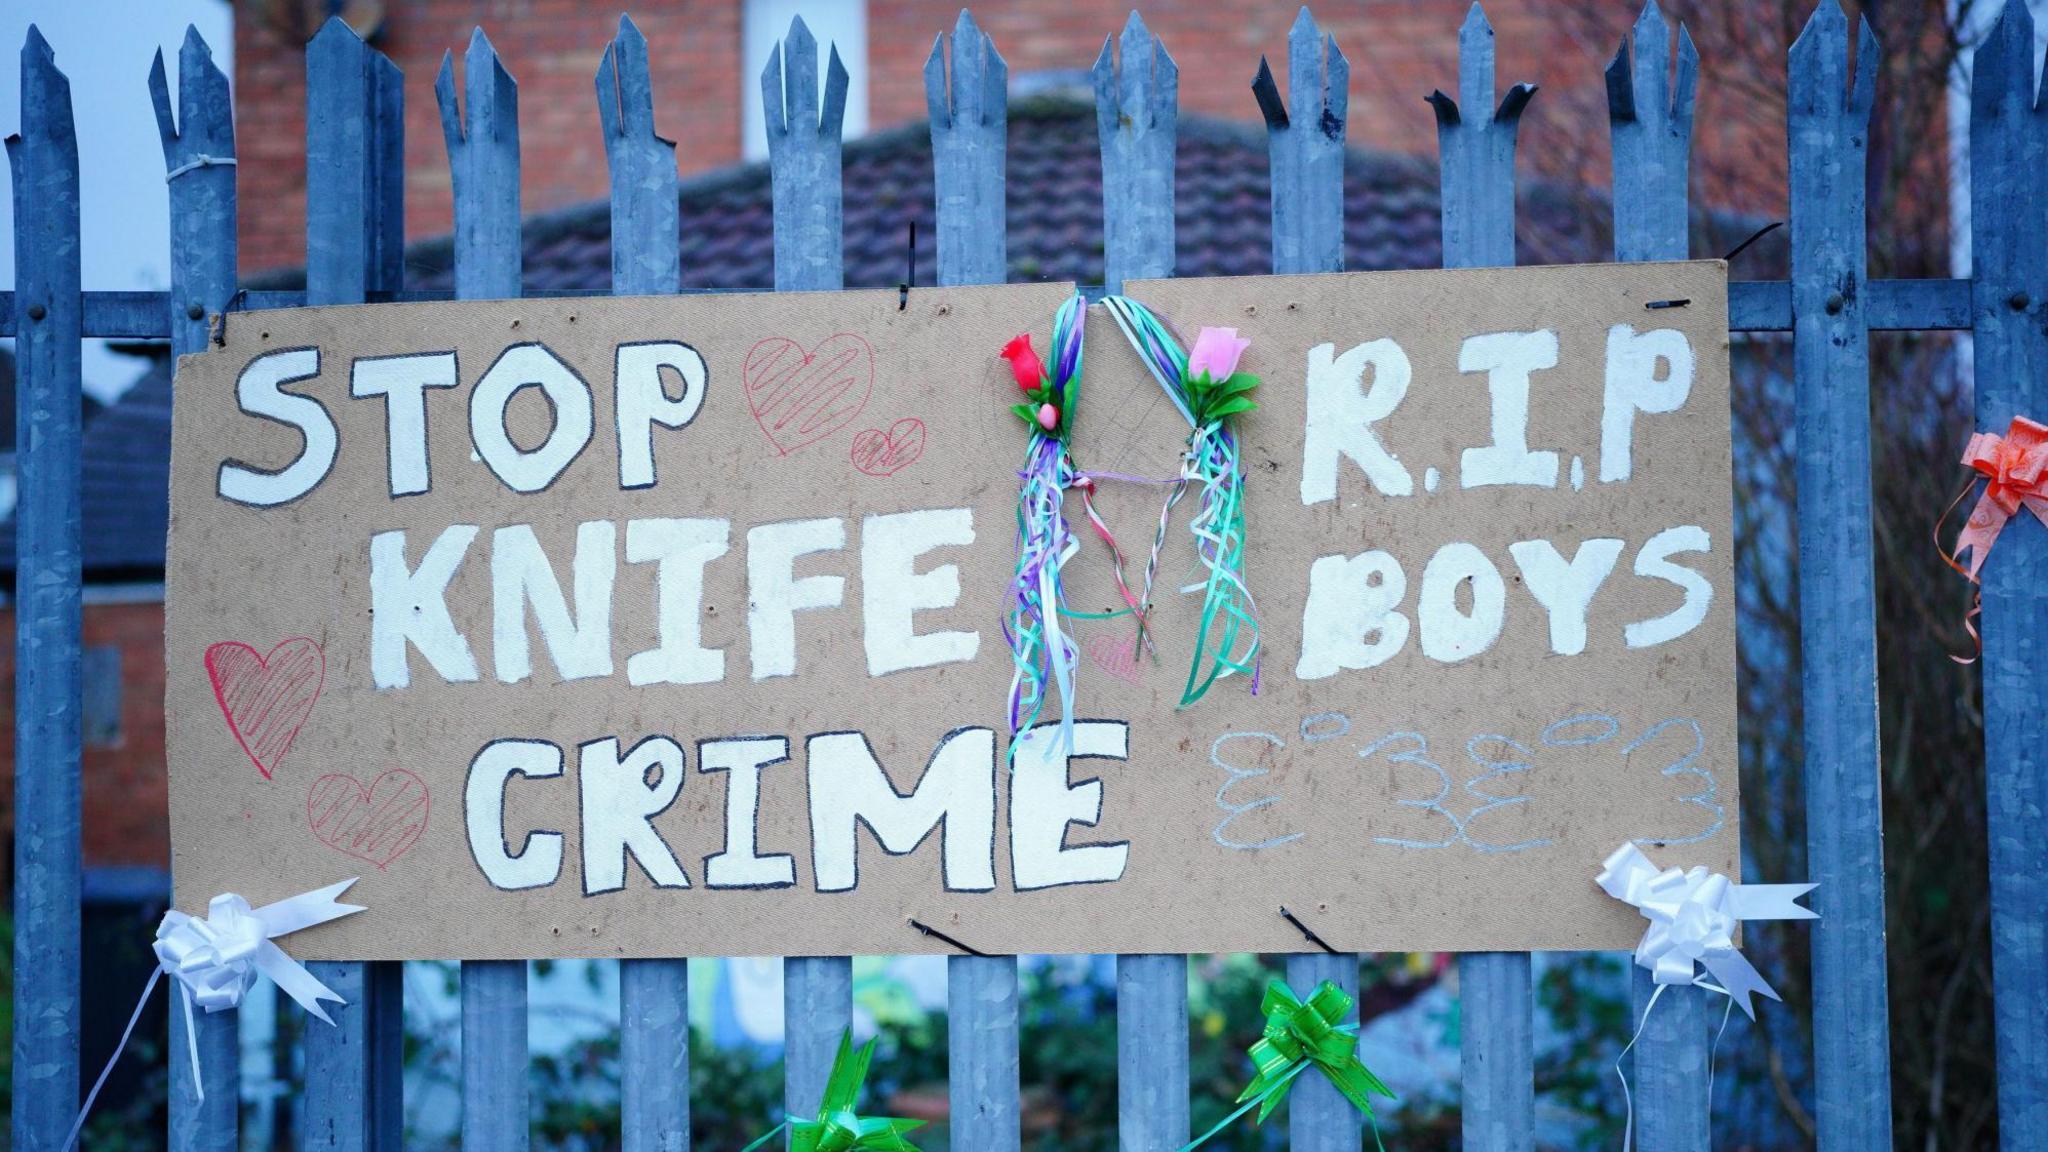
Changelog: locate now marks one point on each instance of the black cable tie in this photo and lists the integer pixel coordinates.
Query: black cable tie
(909, 269)
(1307, 931)
(931, 931)
(1656, 304)
(1753, 238)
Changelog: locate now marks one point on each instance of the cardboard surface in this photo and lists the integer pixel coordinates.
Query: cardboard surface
(1458, 793)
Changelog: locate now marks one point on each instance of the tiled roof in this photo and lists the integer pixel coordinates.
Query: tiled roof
(1222, 214)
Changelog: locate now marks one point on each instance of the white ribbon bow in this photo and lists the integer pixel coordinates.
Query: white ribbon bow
(1692, 915)
(215, 960)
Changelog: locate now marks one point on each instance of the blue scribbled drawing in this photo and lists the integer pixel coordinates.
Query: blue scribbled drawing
(1708, 797)
(1238, 776)
(1324, 726)
(1418, 754)
(1564, 734)
(1495, 769)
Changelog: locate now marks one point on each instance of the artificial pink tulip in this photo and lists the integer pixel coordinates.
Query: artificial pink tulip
(1216, 354)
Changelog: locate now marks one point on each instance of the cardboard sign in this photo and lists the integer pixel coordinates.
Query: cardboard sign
(672, 626)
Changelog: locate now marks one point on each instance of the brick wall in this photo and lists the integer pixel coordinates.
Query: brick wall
(126, 798)
(1399, 50)
(551, 47)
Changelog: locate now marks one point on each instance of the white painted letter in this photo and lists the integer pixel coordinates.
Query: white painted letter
(1699, 594)
(521, 575)
(1565, 590)
(411, 607)
(774, 593)
(1449, 635)
(1341, 414)
(643, 402)
(1352, 618)
(849, 788)
(1633, 361)
(403, 382)
(1508, 358)
(679, 549)
(740, 866)
(892, 589)
(259, 390)
(539, 860)
(619, 806)
(1043, 803)
(529, 366)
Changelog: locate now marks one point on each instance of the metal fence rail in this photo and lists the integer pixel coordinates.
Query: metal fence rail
(354, 248)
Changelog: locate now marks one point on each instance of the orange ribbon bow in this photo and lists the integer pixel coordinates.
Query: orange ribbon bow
(2015, 468)
(2015, 472)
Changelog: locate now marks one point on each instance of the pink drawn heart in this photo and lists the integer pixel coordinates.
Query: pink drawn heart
(798, 397)
(377, 823)
(266, 697)
(1116, 655)
(880, 453)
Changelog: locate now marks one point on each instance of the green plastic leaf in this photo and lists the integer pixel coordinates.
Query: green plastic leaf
(1231, 407)
(849, 1069)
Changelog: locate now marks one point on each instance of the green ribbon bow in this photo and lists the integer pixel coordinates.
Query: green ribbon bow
(838, 1128)
(1299, 1036)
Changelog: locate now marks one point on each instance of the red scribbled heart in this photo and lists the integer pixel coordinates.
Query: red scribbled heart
(798, 397)
(266, 698)
(880, 453)
(377, 823)
(1116, 655)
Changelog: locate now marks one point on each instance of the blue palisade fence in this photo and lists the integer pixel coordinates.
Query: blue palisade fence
(355, 244)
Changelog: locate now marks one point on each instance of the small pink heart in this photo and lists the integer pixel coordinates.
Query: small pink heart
(880, 453)
(375, 823)
(1116, 655)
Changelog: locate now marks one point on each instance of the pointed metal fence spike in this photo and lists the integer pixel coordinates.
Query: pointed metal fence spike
(160, 100)
(773, 115)
(1446, 109)
(1621, 92)
(1513, 103)
(1828, 138)
(1688, 80)
(654, 1049)
(2008, 149)
(832, 114)
(969, 133)
(48, 315)
(451, 110)
(1475, 63)
(1137, 96)
(1267, 92)
(1650, 134)
(1305, 148)
(1476, 157)
(937, 100)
